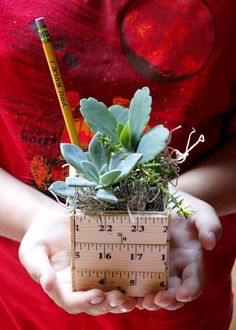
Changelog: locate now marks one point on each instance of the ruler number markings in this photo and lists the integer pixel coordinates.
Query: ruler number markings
(117, 243)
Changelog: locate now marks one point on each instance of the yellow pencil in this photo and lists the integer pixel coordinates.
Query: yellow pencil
(57, 80)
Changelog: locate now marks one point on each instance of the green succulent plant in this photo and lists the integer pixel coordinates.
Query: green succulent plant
(124, 127)
(98, 168)
(119, 151)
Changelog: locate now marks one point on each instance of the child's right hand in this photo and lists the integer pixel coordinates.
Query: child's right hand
(44, 252)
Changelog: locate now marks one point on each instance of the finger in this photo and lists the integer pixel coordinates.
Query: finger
(126, 307)
(208, 225)
(149, 303)
(192, 283)
(167, 299)
(90, 302)
(139, 303)
(118, 302)
(115, 298)
(75, 302)
(94, 302)
(38, 265)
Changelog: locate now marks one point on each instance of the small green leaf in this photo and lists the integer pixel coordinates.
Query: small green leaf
(153, 142)
(79, 182)
(139, 114)
(106, 195)
(73, 155)
(119, 129)
(99, 118)
(98, 153)
(120, 113)
(125, 135)
(89, 170)
(108, 178)
(60, 188)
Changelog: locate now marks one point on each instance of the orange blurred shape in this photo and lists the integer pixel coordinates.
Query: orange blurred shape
(41, 171)
(84, 133)
(121, 101)
(61, 173)
(147, 128)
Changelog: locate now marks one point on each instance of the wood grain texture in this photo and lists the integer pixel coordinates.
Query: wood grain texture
(120, 251)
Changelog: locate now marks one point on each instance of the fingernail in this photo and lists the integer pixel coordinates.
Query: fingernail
(212, 237)
(96, 300)
(154, 308)
(164, 303)
(42, 281)
(124, 310)
(184, 300)
(116, 303)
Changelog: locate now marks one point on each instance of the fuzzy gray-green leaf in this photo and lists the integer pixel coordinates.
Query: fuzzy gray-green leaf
(127, 165)
(98, 153)
(115, 161)
(139, 114)
(153, 142)
(99, 118)
(79, 182)
(120, 113)
(89, 170)
(73, 155)
(60, 188)
(104, 169)
(106, 195)
(109, 178)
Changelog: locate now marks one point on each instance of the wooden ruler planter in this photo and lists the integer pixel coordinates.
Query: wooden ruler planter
(126, 164)
(113, 250)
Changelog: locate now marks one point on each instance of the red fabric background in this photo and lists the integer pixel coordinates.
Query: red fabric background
(184, 51)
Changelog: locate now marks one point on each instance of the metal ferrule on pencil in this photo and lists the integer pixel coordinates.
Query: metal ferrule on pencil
(44, 35)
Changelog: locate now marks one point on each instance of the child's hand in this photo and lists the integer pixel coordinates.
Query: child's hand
(44, 252)
(186, 273)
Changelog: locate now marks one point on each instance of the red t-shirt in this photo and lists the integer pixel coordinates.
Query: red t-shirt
(184, 51)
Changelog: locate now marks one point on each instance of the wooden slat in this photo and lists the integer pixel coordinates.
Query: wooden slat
(113, 251)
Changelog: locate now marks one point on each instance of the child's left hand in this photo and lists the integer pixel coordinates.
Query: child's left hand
(186, 265)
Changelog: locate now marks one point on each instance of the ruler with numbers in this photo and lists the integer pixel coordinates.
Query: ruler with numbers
(115, 251)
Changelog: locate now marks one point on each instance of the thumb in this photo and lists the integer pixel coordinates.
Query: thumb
(36, 262)
(208, 225)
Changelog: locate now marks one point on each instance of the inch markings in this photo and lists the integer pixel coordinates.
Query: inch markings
(135, 284)
(115, 256)
(116, 251)
(109, 228)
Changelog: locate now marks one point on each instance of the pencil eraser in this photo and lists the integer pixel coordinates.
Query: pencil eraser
(40, 22)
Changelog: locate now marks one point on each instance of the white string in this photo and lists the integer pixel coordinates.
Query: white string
(64, 165)
(131, 217)
(181, 157)
(57, 199)
(175, 129)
